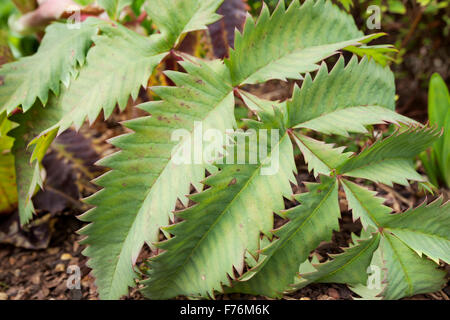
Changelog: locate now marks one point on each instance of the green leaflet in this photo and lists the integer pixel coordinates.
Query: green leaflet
(407, 273)
(322, 103)
(28, 158)
(113, 7)
(389, 161)
(310, 223)
(379, 53)
(424, 229)
(349, 267)
(365, 205)
(104, 82)
(176, 17)
(320, 157)
(201, 256)
(290, 41)
(140, 192)
(59, 54)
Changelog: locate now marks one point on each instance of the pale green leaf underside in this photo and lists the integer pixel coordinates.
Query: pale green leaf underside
(241, 202)
(61, 51)
(140, 192)
(290, 42)
(310, 223)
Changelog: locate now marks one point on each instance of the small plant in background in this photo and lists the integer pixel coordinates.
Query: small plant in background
(226, 241)
(436, 160)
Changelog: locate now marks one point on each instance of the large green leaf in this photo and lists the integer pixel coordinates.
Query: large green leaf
(322, 104)
(177, 17)
(290, 42)
(225, 223)
(141, 191)
(310, 223)
(59, 54)
(390, 160)
(425, 229)
(407, 273)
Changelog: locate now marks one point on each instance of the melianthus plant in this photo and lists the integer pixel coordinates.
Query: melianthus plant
(226, 241)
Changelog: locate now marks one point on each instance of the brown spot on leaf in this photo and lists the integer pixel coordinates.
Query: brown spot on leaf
(233, 181)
